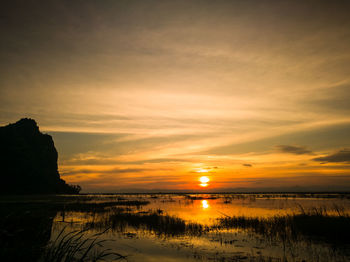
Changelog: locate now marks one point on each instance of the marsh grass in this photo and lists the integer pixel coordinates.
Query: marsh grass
(26, 221)
(228, 197)
(75, 246)
(155, 221)
(191, 197)
(320, 223)
(332, 226)
(97, 206)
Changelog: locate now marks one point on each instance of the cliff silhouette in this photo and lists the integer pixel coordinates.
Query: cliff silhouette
(28, 161)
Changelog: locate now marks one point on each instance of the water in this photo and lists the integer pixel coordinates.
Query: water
(187, 227)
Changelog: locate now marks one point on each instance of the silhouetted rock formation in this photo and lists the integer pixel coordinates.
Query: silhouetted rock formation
(28, 161)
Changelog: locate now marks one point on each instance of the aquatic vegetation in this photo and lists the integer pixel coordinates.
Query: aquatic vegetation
(74, 246)
(196, 197)
(316, 223)
(98, 206)
(154, 221)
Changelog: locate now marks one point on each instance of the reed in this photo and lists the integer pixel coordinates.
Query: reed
(319, 223)
(74, 246)
(155, 221)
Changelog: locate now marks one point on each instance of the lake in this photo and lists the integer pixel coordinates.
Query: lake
(211, 227)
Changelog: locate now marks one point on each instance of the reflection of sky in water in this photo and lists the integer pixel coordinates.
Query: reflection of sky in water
(143, 245)
(194, 210)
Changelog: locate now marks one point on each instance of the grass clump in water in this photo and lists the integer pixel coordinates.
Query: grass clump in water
(316, 223)
(98, 206)
(154, 221)
(75, 246)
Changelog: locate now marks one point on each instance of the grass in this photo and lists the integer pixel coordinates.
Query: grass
(316, 223)
(195, 197)
(74, 246)
(25, 222)
(97, 206)
(155, 221)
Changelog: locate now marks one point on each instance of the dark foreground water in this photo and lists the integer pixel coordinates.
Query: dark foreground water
(184, 227)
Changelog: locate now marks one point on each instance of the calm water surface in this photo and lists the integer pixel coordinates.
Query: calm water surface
(185, 227)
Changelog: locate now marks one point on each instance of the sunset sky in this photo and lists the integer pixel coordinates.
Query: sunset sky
(152, 95)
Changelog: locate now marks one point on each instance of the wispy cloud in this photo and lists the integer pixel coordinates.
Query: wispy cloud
(108, 171)
(342, 156)
(297, 150)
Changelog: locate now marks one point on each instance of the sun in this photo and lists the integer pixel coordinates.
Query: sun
(204, 179)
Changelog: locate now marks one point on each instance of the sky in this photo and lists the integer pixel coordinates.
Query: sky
(152, 95)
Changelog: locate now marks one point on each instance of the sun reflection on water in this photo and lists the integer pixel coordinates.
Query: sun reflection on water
(205, 204)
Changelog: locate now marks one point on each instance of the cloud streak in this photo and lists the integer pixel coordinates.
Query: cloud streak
(109, 171)
(297, 150)
(342, 156)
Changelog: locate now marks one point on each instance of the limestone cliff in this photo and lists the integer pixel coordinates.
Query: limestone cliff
(28, 161)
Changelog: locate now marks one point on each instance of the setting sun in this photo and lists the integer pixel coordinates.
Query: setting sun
(204, 179)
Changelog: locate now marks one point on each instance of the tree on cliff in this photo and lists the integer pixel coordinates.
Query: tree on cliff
(28, 161)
